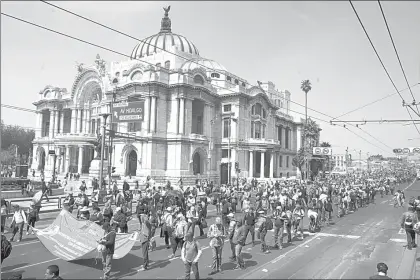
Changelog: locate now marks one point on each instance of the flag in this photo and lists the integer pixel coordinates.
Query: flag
(70, 239)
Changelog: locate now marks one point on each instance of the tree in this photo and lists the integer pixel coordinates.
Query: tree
(325, 144)
(12, 135)
(299, 160)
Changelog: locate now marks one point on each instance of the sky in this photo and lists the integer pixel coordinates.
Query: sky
(283, 42)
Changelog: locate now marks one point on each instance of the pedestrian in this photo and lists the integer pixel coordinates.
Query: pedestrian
(249, 222)
(119, 219)
(279, 218)
(6, 248)
(107, 254)
(408, 220)
(231, 229)
(167, 226)
(217, 234)
(262, 231)
(107, 212)
(238, 237)
(180, 230)
(145, 235)
(3, 213)
(190, 255)
(53, 272)
(31, 217)
(96, 216)
(382, 272)
(18, 220)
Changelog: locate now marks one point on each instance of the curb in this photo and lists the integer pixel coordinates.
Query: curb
(407, 267)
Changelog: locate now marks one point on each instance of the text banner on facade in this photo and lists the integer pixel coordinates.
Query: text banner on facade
(125, 111)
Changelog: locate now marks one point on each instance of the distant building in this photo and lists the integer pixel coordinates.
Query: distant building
(340, 163)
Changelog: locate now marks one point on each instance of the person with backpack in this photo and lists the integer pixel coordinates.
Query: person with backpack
(180, 230)
(167, 226)
(190, 255)
(18, 220)
(298, 214)
(408, 220)
(279, 223)
(262, 231)
(6, 248)
(217, 233)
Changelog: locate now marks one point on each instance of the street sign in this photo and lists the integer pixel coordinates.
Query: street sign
(321, 151)
(51, 152)
(407, 151)
(128, 111)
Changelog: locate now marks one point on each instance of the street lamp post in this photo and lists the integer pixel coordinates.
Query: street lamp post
(105, 116)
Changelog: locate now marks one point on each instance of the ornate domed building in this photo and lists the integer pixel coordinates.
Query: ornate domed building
(196, 115)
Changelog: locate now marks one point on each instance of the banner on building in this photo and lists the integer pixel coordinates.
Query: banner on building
(70, 239)
(127, 111)
(321, 151)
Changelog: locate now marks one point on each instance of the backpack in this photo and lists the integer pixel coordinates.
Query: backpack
(408, 221)
(269, 223)
(6, 248)
(412, 201)
(179, 230)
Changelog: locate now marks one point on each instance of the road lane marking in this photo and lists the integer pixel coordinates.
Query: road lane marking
(339, 235)
(29, 265)
(398, 240)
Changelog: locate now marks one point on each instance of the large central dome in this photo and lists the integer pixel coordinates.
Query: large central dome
(165, 40)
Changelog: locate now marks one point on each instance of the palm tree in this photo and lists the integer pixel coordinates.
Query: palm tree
(306, 86)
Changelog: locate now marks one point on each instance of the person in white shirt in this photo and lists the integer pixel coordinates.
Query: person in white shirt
(18, 221)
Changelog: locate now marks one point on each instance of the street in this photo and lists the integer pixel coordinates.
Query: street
(348, 249)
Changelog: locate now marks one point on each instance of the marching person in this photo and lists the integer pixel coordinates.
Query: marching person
(109, 242)
(263, 229)
(279, 220)
(180, 230)
(31, 217)
(145, 235)
(231, 229)
(96, 216)
(18, 220)
(408, 220)
(217, 235)
(382, 272)
(238, 237)
(249, 222)
(190, 255)
(167, 226)
(120, 219)
(53, 272)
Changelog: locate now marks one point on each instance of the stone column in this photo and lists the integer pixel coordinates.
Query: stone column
(283, 137)
(62, 121)
(80, 164)
(38, 130)
(73, 120)
(51, 130)
(181, 116)
(271, 165)
(67, 161)
(262, 164)
(206, 124)
(251, 164)
(56, 122)
(87, 121)
(147, 114)
(153, 114)
(79, 121)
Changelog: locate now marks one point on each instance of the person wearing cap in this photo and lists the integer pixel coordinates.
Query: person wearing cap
(382, 272)
(190, 255)
(31, 217)
(167, 226)
(18, 220)
(408, 220)
(230, 229)
(109, 242)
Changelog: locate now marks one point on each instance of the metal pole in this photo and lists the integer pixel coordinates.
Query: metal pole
(110, 140)
(306, 126)
(105, 116)
(54, 164)
(229, 171)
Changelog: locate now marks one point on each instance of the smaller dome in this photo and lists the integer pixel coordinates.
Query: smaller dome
(207, 64)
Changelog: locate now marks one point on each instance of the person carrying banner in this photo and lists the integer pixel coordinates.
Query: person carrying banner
(109, 242)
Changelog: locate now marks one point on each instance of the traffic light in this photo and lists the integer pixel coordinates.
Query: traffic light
(236, 165)
(113, 169)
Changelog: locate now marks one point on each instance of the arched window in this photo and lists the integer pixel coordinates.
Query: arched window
(243, 84)
(257, 109)
(198, 80)
(215, 75)
(236, 81)
(167, 64)
(137, 76)
(229, 78)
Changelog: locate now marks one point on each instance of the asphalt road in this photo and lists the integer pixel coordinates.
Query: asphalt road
(348, 249)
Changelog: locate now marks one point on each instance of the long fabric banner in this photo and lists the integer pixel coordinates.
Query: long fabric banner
(70, 239)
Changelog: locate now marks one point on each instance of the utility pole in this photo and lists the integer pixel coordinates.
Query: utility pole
(101, 171)
(111, 138)
(54, 165)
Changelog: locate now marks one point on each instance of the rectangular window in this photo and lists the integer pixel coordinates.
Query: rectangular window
(257, 130)
(264, 113)
(226, 128)
(281, 161)
(134, 126)
(252, 129)
(263, 131)
(227, 108)
(225, 153)
(199, 125)
(287, 161)
(114, 127)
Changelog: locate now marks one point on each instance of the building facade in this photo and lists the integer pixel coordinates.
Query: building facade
(197, 115)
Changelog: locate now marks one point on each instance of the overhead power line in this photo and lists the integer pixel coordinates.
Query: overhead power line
(372, 121)
(380, 60)
(113, 51)
(396, 53)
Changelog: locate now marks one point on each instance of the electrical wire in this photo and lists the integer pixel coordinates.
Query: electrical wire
(379, 58)
(110, 50)
(396, 53)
